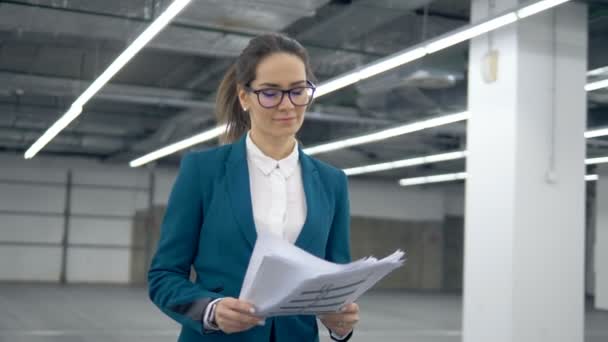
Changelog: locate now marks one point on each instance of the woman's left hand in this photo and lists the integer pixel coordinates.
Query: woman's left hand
(343, 322)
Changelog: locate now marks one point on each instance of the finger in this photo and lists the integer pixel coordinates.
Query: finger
(243, 307)
(350, 308)
(238, 317)
(347, 319)
(240, 307)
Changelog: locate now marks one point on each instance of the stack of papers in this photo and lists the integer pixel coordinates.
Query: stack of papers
(283, 279)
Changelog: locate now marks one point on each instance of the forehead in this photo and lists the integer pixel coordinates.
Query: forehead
(280, 68)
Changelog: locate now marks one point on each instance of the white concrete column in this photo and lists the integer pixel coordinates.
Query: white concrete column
(524, 229)
(601, 240)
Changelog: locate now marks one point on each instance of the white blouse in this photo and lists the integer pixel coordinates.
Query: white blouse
(277, 193)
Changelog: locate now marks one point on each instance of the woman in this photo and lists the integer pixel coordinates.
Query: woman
(260, 181)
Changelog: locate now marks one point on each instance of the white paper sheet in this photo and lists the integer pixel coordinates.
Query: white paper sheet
(283, 279)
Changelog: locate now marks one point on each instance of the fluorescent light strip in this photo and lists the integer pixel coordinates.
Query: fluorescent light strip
(471, 32)
(391, 62)
(597, 85)
(76, 108)
(405, 163)
(388, 133)
(433, 179)
(180, 145)
(336, 83)
(594, 161)
(450, 177)
(375, 68)
(50, 133)
(596, 133)
(598, 71)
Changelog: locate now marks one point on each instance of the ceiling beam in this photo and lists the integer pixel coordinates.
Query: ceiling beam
(117, 124)
(65, 87)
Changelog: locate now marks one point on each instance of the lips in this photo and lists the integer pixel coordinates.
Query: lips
(285, 119)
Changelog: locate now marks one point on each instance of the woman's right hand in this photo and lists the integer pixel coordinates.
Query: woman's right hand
(233, 315)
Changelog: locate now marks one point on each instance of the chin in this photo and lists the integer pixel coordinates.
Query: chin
(283, 132)
(292, 127)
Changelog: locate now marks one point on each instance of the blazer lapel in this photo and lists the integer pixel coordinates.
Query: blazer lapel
(239, 190)
(312, 189)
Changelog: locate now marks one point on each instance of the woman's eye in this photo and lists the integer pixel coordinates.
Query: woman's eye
(270, 93)
(297, 92)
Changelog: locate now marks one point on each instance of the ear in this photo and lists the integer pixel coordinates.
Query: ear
(243, 98)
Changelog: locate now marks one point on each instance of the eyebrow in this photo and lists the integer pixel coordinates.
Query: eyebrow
(278, 86)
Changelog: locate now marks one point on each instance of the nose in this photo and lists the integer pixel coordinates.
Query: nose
(285, 103)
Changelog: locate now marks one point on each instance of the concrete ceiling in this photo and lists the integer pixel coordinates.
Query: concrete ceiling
(50, 50)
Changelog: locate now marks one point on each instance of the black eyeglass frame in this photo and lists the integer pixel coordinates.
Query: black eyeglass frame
(308, 85)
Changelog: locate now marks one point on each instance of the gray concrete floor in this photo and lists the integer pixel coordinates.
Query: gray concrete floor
(36, 313)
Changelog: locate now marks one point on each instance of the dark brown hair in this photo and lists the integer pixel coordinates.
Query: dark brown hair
(227, 107)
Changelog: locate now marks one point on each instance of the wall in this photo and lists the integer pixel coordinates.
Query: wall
(377, 199)
(103, 242)
(421, 240)
(453, 196)
(49, 203)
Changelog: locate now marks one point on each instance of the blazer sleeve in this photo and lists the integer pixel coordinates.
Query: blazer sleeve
(338, 243)
(169, 286)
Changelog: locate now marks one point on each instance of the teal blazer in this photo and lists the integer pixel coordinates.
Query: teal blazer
(209, 225)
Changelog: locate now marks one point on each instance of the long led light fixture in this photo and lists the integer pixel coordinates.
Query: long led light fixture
(433, 179)
(598, 71)
(388, 133)
(596, 133)
(594, 161)
(180, 145)
(471, 32)
(450, 177)
(405, 163)
(442, 42)
(370, 70)
(76, 108)
(597, 85)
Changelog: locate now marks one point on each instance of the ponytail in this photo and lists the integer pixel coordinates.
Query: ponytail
(228, 109)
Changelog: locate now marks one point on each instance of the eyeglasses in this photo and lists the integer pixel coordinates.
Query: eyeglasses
(272, 97)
